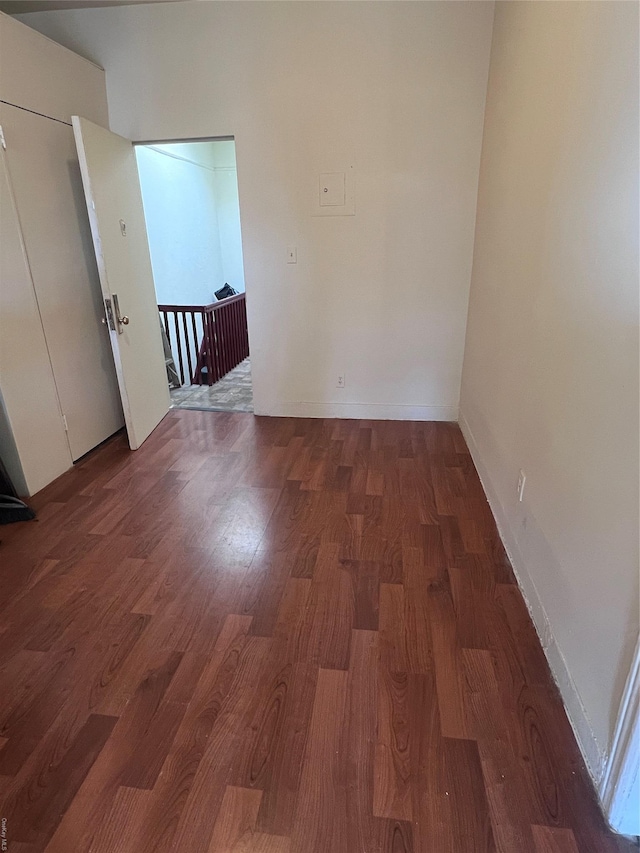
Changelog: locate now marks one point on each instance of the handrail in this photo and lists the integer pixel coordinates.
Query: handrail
(214, 338)
(212, 306)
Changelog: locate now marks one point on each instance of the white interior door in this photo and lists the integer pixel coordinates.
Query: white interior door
(114, 202)
(45, 179)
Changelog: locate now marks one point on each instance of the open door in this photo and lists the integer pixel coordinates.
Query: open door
(114, 203)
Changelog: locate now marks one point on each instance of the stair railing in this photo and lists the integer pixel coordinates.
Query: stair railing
(207, 341)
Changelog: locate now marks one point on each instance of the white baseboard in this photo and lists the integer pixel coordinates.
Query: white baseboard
(594, 757)
(360, 411)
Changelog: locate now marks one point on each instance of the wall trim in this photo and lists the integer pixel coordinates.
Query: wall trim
(593, 755)
(360, 411)
(158, 149)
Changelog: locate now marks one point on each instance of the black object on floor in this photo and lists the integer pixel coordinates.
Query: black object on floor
(225, 292)
(11, 507)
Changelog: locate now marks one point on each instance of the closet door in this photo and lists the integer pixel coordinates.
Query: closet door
(45, 178)
(30, 423)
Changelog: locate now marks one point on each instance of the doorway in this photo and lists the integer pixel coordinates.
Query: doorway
(192, 212)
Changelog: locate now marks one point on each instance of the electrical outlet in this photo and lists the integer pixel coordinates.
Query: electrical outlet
(340, 383)
(522, 479)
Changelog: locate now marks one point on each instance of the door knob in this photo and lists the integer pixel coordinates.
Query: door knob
(121, 319)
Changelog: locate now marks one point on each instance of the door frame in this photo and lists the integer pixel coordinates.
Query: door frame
(222, 138)
(619, 786)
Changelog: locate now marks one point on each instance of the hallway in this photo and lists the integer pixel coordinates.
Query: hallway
(232, 393)
(284, 636)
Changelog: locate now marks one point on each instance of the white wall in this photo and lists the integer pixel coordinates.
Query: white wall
(550, 380)
(228, 206)
(39, 75)
(396, 90)
(190, 195)
(182, 224)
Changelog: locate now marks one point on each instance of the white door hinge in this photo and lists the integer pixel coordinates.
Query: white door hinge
(2, 139)
(64, 421)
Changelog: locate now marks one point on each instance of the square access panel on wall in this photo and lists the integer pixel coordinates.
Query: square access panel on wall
(334, 193)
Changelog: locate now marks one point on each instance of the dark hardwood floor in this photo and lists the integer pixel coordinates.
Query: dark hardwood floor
(278, 636)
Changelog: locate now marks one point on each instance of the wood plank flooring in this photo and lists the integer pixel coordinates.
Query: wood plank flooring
(264, 635)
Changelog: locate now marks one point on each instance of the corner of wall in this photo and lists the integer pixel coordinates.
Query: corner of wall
(594, 757)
